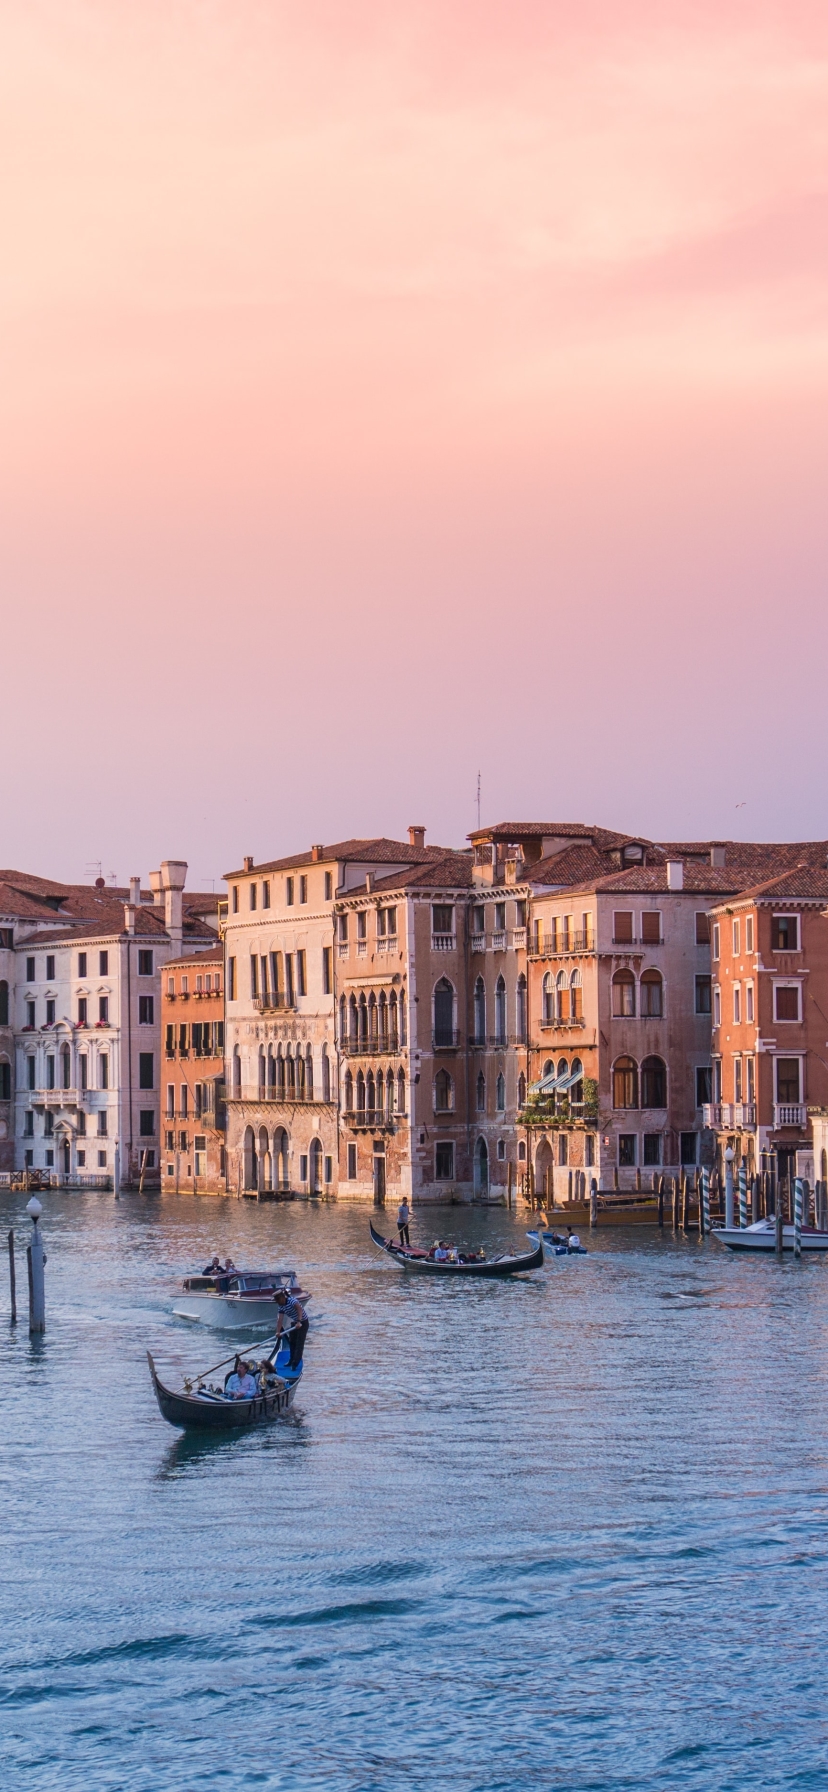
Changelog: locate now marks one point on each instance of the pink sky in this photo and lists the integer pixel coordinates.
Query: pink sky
(392, 391)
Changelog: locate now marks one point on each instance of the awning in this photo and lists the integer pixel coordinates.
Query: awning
(556, 1085)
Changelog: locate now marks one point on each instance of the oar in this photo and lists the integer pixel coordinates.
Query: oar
(225, 1359)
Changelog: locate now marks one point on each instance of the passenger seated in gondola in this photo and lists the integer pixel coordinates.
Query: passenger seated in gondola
(240, 1385)
(440, 1254)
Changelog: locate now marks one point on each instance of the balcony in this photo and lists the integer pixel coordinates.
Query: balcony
(499, 940)
(271, 999)
(362, 948)
(57, 1098)
(481, 1042)
(371, 1118)
(519, 939)
(443, 942)
(445, 1039)
(370, 1048)
(272, 1092)
(718, 1114)
(746, 1113)
(478, 942)
(563, 1025)
(386, 942)
(342, 948)
(789, 1113)
(559, 945)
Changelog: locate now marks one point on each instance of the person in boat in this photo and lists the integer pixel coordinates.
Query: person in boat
(572, 1241)
(241, 1385)
(229, 1266)
(291, 1315)
(214, 1268)
(403, 1217)
(440, 1253)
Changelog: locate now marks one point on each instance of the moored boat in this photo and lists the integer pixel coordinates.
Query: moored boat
(243, 1298)
(202, 1405)
(421, 1261)
(761, 1236)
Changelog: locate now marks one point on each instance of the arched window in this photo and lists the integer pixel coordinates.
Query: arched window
(521, 1090)
(236, 1072)
(393, 1035)
(4, 1004)
(271, 1071)
(481, 1093)
(290, 1077)
(369, 1092)
(382, 1015)
(379, 1098)
(652, 995)
(326, 1075)
(300, 1076)
(444, 1013)
(343, 1020)
(316, 1167)
(443, 1092)
(500, 1093)
(548, 999)
(400, 1092)
(401, 1012)
(309, 1074)
(561, 1095)
(563, 1067)
(576, 1093)
(576, 996)
(500, 1011)
(520, 1008)
(280, 1074)
(360, 1086)
(562, 996)
(349, 1092)
(262, 1072)
(480, 1012)
(548, 1067)
(363, 1021)
(353, 1023)
(389, 1093)
(625, 1083)
(623, 995)
(5, 1080)
(653, 1083)
(372, 1019)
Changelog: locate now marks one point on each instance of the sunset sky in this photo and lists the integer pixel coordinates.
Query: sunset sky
(396, 391)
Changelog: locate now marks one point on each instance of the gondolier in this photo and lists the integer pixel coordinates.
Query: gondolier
(403, 1217)
(294, 1320)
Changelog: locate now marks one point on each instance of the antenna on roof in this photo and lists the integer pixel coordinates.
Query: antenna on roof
(478, 800)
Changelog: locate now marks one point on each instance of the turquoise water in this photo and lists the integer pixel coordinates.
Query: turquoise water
(564, 1533)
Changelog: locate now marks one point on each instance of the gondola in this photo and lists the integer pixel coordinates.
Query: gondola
(492, 1266)
(204, 1407)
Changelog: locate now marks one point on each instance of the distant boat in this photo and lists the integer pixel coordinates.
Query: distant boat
(558, 1247)
(761, 1236)
(242, 1298)
(204, 1406)
(476, 1266)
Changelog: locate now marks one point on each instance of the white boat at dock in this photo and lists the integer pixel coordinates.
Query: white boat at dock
(243, 1298)
(761, 1236)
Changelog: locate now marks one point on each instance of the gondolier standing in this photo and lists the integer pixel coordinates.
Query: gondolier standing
(292, 1315)
(403, 1217)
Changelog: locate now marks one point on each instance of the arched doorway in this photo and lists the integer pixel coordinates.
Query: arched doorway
(481, 1168)
(249, 1158)
(281, 1176)
(545, 1172)
(265, 1170)
(316, 1167)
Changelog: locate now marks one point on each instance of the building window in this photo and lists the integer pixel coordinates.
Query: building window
(146, 1070)
(301, 974)
(50, 1073)
(28, 1124)
(750, 1080)
(81, 1123)
(748, 933)
(787, 1080)
(265, 895)
(145, 964)
(235, 898)
(501, 1151)
(622, 927)
(481, 1093)
(444, 1161)
(50, 1012)
(627, 1143)
(352, 1163)
(749, 1009)
(737, 1004)
(30, 970)
(521, 1151)
(329, 1170)
(520, 1009)
(702, 930)
(520, 912)
(521, 1090)
(103, 964)
(252, 895)
(103, 1010)
(589, 1150)
(623, 995)
(30, 1014)
(651, 927)
(184, 1101)
(652, 995)
(653, 1083)
(303, 889)
(737, 937)
(704, 1085)
(717, 1006)
(500, 1093)
(716, 939)
(81, 964)
(103, 1071)
(689, 1149)
(170, 1103)
(328, 886)
(703, 994)
(182, 1141)
(786, 1001)
(500, 917)
(289, 891)
(625, 1083)
(30, 1073)
(362, 925)
(102, 1126)
(146, 1011)
(327, 973)
(231, 979)
(444, 1013)
(5, 1080)
(500, 1011)
(289, 996)
(785, 933)
(146, 1123)
(443, 1092)
(303, 1169)
(737, 1079)
(50, 967)
(652, 1148)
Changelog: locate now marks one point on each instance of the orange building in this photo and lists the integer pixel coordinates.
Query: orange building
(193, 1116)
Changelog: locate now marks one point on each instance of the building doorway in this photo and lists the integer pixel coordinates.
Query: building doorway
(316, 1167)
(481, 1168)
(379, 1178)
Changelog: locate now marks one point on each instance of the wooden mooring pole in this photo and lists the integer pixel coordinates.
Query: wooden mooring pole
(661, 1201)
(12, 1280)
(593, 1202)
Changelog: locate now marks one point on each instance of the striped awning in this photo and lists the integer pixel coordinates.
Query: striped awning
(556, 1085)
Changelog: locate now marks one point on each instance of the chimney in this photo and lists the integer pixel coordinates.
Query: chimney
(316, 854)
(248, 863)
(416, 837)
(369, 880)
(173, 877)
(135, 891)
(129, 918)
(157, 892)
(675, 874)
(717, 856)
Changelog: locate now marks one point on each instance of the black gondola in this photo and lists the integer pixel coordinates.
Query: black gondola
(210, 1411)
(492, 1266)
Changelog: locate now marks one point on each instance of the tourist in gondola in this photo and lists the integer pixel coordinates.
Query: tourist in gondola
(403, 1217)
(241, 1385)
(292, 1315)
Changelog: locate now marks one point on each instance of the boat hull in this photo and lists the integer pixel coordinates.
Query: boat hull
(496, 1269)
(227, 1312)
(190, 1413)
(762, 1237)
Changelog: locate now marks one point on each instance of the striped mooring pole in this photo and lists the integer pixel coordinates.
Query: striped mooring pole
(705, 1203)
(743, 1214)
(798, 1195)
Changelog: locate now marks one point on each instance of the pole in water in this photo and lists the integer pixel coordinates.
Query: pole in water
(36, 1257)
(778, 1221)
(743, 1217)
(729, 1186)
(593, 1202)
(704, 1203)
(661, 1200)
(685, 1202)
(116, 1171)
(798, 1196)
(12, 1280)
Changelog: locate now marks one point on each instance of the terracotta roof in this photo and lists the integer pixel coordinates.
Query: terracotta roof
(651, 880)
(561, 830)
(573, 866)
(211, 955)
(370, 852)
(772, 853)
(804, 882)
(149, 925)
(452, 871)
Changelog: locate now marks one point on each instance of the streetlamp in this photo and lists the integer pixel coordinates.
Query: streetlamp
(728, 1157)
(35, 1259)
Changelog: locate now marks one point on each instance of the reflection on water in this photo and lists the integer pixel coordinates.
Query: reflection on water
(566, 1532)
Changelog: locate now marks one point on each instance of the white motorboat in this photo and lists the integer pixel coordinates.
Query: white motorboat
(761, 1236)
(244, 1298)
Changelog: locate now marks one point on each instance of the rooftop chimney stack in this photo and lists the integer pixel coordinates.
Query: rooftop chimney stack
(416, 837)
(173, 878)
(369, 880)
(316, 854)
(129, 918)
(248, 863)
(717, 856)
(157, 892)
(675, 874)
(135, 891)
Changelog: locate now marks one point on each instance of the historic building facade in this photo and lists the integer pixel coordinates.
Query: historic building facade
(193, 1119)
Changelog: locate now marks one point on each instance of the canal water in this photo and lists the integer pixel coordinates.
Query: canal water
(568, 1532)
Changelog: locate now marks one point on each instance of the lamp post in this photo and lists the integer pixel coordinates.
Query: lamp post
(36, 1258)
(728, 1156)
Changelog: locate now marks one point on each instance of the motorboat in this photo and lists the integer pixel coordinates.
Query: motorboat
(557, 1246)
(237, 1298)
(203, 1404)
(761, 1236)
(458, 1264)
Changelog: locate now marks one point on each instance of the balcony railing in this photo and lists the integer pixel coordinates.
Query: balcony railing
(519, 938)
(499, 940)
(272, 1092)
(386, 942)
(561, 1024)
(481, 1042)
(745, 1113)
(362, 948)
(342, 948)
(557, 945)
(373, 1117)
(478, 942)
(370, 1048)
(789, 1113)
(270, 999)
(445, 1039)
(443, 942)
